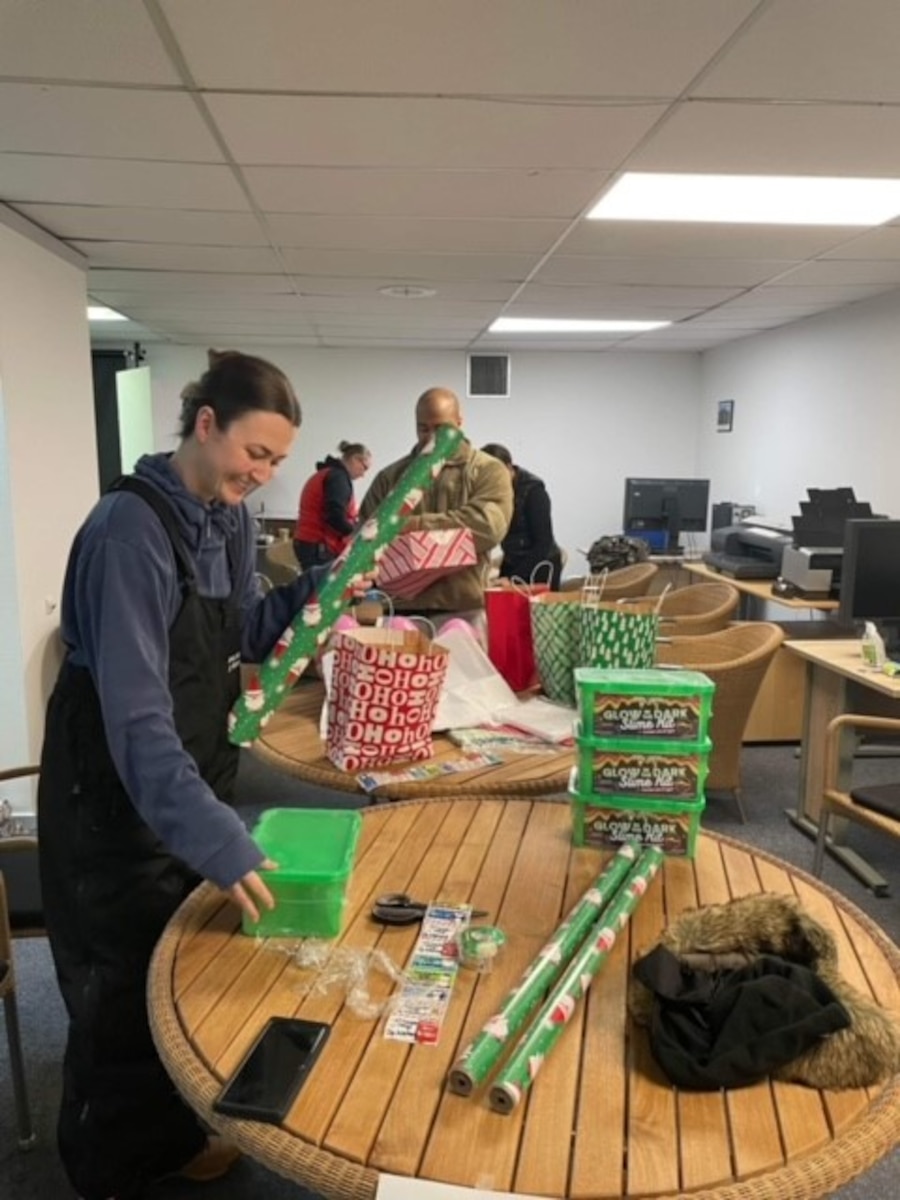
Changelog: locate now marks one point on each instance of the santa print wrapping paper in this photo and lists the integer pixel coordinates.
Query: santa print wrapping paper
(417, 558)
(311, 626)
(385, 688)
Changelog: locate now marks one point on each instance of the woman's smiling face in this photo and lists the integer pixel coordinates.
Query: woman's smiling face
(236, 461)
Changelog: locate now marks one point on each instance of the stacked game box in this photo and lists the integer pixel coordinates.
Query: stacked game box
(642, 757)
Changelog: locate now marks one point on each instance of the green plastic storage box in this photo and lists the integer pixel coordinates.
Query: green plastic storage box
(645, 768)
(314, 849)
(653, 703)
(610, 821)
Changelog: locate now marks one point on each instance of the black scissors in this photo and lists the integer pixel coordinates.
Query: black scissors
(396, 908)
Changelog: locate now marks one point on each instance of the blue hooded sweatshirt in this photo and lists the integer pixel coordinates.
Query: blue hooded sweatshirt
(120, 598)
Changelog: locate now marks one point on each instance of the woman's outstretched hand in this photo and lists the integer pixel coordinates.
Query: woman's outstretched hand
(250, 893)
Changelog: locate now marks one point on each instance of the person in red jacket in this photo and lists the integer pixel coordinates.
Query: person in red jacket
(328, 510)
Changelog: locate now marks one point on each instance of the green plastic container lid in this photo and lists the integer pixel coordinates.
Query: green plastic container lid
(310, 845)
(649, 681)
(644, 747)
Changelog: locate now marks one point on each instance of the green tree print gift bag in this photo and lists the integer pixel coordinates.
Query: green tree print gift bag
(618, 634)
(556, 632)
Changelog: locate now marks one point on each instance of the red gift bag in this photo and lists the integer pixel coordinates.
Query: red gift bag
(416, 559)
(385, 688)
(509, 639)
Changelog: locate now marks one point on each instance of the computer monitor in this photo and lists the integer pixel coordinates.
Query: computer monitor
(870, 577)
(669, 506)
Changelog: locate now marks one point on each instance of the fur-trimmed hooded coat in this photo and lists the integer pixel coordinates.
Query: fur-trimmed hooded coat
(726, 936)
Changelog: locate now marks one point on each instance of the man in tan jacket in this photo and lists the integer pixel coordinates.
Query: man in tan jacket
(472, 491)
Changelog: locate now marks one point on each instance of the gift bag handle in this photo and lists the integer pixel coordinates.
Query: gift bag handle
(545, 562)
(592, 589)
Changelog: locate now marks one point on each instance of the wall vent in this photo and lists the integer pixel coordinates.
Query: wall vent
(488, 376)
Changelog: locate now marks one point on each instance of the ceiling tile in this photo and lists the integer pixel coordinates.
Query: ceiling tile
(814, 50)
(182, 283)
(147, 225)
(103, 40)
(448, 289)
(606, 47)
(693, 272)
(439, 235)
(349, 131)
(414, 268)
(616, 300)
(873, 244)
(775, 139)
(157, 257)
(844, 271)
(448, 194)
(104, 123)
(41, 178)
(690, 239)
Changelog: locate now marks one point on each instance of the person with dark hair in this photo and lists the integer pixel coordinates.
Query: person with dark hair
(529, 540)
(160, 604)
(328, 511)
(471, 491)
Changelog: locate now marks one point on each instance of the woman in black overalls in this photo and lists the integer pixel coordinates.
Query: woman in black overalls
(159, 603)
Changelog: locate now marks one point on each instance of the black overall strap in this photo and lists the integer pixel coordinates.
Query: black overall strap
(162, 508)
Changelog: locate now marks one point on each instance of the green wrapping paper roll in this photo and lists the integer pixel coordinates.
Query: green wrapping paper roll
(481, 1054)
(527, 1059)
(311, 626)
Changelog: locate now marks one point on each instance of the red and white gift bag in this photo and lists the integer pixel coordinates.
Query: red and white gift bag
(414, 560)
(385, 688)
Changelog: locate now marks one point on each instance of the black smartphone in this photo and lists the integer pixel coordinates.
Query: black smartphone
(272, 1072)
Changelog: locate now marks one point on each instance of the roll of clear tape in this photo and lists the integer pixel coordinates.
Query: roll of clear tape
(479, 946)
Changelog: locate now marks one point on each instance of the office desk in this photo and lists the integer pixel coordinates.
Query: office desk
(600, 1120)
(290, 742)
(831, 666)
(777, 714)
(754, 592)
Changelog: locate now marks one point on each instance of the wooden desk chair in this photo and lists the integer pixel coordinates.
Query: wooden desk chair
(839, 803)
(699, 608)
(625, 583)
(736, 660)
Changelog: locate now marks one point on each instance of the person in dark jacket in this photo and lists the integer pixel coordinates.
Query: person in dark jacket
(529, 540)
(328, 509)
(160, 604)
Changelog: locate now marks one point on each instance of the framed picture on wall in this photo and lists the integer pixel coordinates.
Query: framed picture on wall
(725, 416)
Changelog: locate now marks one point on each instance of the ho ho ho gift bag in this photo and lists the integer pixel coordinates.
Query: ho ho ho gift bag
(385, 688)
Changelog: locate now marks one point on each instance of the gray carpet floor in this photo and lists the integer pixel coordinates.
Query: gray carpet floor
(770, 783)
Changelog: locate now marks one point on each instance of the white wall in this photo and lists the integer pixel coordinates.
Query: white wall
(49, 468)
(581, 421)
(816, 405)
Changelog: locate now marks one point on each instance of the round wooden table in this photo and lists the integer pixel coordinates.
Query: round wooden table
(600, 1120)
(290, 741)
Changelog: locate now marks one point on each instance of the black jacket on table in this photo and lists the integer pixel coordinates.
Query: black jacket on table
(530, 540)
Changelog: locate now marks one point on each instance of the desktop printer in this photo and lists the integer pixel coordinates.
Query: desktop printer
(751, 551)
(811, 566)
(813, 571)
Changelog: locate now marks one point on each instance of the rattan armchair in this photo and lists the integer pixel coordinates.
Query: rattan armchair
(625, 583)
(280, 562)
(841, 802)
(699, 608)
(736, 660)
